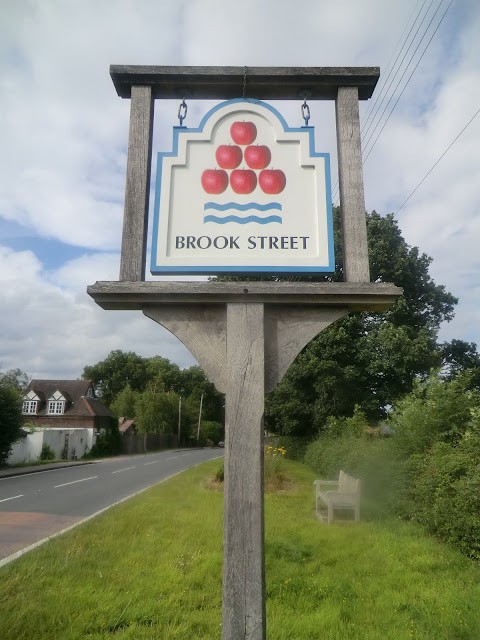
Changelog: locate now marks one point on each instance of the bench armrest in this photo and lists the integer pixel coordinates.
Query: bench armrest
(333, 483)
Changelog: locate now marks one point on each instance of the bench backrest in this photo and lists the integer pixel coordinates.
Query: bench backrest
(347, 484)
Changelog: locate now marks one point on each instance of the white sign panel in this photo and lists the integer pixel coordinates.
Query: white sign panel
(243, 193)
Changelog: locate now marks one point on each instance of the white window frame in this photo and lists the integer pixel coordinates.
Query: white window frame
(29, 407)
(56, 407)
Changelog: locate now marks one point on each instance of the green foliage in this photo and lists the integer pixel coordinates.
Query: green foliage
(460, 356)
(121, 378)
(47, 453)
(108, 443)
(294, 446)
(112, 375)
(211, 430)
(435, 411)
(156, 410)
(366, 359)
(15, 378)
(10, 416)
(124, 403)
(220, 473)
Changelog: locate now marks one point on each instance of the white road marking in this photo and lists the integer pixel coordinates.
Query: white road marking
(185, 454)
(154, 462)
(74, 482)
(173, 458)
(12, 498)
(120, 470)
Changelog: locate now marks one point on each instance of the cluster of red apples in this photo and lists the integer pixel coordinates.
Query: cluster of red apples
(257, 158)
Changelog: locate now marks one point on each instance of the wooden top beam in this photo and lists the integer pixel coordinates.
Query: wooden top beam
(262, 83)
(368, 296)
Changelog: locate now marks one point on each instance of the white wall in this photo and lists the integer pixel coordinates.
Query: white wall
(29, 448)
(26, 449)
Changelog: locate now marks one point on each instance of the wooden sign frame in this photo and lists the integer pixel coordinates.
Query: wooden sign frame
(244, 335)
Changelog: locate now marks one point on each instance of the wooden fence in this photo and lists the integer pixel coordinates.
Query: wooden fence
(135, 443)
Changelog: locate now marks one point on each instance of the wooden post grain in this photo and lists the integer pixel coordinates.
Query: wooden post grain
(243, 550)
(137, 188)
(350, 175)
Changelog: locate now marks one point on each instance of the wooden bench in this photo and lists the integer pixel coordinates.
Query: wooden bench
(346, 496)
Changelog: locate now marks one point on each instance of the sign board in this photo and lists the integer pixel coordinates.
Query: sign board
(243, 193)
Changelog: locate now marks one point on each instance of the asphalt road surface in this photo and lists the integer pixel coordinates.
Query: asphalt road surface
(36, 505)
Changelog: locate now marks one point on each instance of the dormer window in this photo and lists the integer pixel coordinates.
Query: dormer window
(56, 404)
(30, 404)
(56, 407)
(29, 407)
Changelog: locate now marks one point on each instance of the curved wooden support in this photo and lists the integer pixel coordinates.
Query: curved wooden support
(203, 330)
(287, 331)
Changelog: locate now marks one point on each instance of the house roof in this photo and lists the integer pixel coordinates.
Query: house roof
(78, 403)
(125, 425)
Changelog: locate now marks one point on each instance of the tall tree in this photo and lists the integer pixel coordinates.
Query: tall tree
(459, 356)
(111, 376)
(10, 416)
(156, 410)
(366, 359)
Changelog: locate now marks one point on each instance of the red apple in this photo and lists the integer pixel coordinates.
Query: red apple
(214, 180)
(272, 180)
(228, 156)
(243, 180)
(258, 156)
(243, 132)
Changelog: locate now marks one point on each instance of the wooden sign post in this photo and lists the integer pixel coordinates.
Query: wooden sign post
(244, 335)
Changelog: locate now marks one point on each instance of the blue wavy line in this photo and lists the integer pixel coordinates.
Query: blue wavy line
(242, 207)
(226, 219)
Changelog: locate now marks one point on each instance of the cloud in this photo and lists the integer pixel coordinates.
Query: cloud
(64, 139)
(51, 328)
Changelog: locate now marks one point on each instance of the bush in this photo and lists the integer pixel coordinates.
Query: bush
(445, 493)
(108, 443)
(10, 418)
(210, 430)
(47, 453)
(295, 447)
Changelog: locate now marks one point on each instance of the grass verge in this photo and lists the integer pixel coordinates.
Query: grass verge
(151, 568)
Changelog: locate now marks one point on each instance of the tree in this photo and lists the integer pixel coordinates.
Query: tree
(15, 378)
(111, 376)
(124, 403)
(156, 410)
(459, 356)
(10, 416)
(366, 359)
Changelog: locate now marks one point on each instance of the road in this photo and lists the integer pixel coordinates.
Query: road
(36, 505)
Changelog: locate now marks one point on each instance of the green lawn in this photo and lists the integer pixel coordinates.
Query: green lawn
(151, 568)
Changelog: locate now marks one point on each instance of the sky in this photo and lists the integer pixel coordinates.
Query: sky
(63, 145)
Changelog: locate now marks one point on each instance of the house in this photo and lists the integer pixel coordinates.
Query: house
(65, 403)
(65, 415)
(127, 426)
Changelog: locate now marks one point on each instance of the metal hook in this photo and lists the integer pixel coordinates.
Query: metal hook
(182, 112)
(305, 112)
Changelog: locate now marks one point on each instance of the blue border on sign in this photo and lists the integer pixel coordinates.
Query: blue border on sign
(211, 270)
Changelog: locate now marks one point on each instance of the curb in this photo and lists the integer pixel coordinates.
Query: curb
(20, 471)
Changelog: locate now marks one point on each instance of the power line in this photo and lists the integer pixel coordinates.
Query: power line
(335, 190)
(409, 78)
(402, 61)
(388, 70)
(443, 154)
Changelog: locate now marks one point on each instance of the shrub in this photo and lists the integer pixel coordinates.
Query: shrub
(445, 493)
(211, 430)
(435, 411)
(295, 447)
(47, 453)
(108, 443)
(220, 474)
